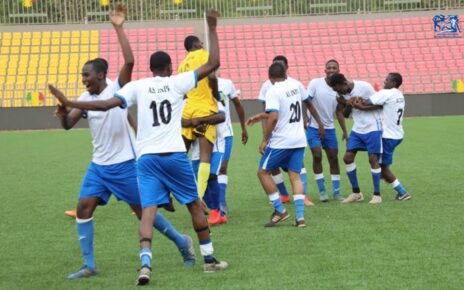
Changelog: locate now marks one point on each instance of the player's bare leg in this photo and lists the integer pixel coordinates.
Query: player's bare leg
(332, 156)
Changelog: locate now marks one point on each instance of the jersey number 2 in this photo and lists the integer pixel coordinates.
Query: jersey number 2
(296, 112)
(164, 112)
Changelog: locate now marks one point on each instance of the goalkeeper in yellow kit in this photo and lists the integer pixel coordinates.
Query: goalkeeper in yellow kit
(201, 102)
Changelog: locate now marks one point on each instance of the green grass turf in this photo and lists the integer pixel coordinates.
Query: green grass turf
(416, 244)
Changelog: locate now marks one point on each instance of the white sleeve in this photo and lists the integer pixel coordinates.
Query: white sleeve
(221, 107)
(128, 94)
(303, 92)
(184, 82)
(262, 93)
(379, 98)
(312, 89)
(369, 90)
(83, 97)
(233, 91)
(272, 101)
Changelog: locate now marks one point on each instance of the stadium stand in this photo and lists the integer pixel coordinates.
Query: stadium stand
(34, 59)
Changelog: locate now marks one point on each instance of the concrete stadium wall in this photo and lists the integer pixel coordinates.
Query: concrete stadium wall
(42, 117)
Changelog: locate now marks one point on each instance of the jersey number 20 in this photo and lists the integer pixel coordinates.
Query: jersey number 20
(295, 109)
(164, 112)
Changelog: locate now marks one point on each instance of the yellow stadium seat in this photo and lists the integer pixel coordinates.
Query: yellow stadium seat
(6, 35)
(42, 79)
(51, 79)
(74, 48)
(84, 48)
(75, 40)
(64, 41)
(7, 95)
(85, 33)
(76, 33)
(56, 34)
(56, 41)
(35, 41)
(6, 103)
(44, 49)
(85, 41)
(63, 69)
(35, 49)
(25, 49)
(5, 50)
(16, 42)
(6, 41)
(52, 70)
(66, 34)
(11, 79)
(17, 35)
(65, 49)
(31, 80)
(46, 34)
(11, 70)
(25, 41)
(62, 78)
(37, 34)
(94, 48)
(54, 49)
(73, 78)
(18, 103)
(45, 41)
(14, 50)
(2, 79)
(27, 35)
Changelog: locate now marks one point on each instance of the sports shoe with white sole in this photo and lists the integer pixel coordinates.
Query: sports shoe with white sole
(84, 272)
(277, 217)
(215, 266)
(188, 253)
(403, 197)
(144, 276)
(376, 199)
(323, 197)
(354, 197)
(300, 223)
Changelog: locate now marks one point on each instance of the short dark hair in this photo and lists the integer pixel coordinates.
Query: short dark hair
(281, 58)
(189, 41)
(159, 61)
(397, 78)
(332, 60)
(276, 70)
(99, 65)
(337, 79)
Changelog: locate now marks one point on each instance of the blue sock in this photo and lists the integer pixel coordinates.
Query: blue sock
(299, 206)
(145, 257)
(165, 228)
(320, 182)
(376, 180)
(304, 180)
(222, 180)
(85, 233)
(212, 190)
(279, 181)
(398, 187)
(351, 172)
(206, 249)
(276, 203)
(335, 184)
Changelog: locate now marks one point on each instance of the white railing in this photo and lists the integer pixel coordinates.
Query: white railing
(92, 11)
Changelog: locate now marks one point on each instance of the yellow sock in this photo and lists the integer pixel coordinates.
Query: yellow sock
(203, 176)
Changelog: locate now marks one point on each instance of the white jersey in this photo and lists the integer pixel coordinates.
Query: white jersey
(285, 98)
(228, 92)
(324, 99)
(364, 121)
(219, 143)
(159, 108)
(265, 87)
(393, 104)
(112, 137)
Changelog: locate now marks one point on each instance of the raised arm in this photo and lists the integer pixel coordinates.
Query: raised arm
(315, 115)
(241, 116)
(117, 18)
(86, 105)
(213, 59)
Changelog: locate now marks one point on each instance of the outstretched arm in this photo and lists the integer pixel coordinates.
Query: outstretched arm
(241, 116)
(86, 105)
(68, 118)
(213, 59)
(263, 116)
(117, 18)
(315, 115)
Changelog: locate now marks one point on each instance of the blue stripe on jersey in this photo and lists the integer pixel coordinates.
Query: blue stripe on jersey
(123, 100)
(195, 73)
(261, 101)
(271, 110)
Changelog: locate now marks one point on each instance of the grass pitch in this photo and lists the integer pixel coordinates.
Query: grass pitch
(417, 244)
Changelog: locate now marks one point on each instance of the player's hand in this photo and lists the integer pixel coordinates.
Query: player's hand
(201, 128)
(253, 120)
(118, 15)
(263, 146)
(211, 17)
(244, 136)
(344, 136)
(321, 132)
(195, 122)
(60, 111)
(59, 95)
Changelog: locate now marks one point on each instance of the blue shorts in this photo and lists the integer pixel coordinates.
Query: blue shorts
(314, 141)
(389, 146)
(291, 159)
(216, 161)
(370, 142)
(229, 140)
(161, 174)
(119, 179)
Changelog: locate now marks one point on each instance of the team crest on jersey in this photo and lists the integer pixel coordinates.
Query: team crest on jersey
(446, 26)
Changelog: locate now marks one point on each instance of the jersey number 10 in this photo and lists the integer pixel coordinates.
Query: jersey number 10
(164, 113)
